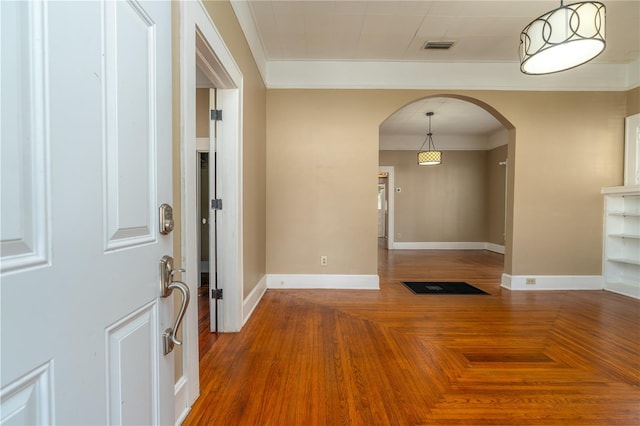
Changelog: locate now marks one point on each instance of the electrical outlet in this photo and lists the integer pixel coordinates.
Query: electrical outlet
(324, 260)
(530, 281)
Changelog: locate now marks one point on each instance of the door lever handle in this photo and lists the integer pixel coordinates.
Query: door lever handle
(169, 334)
(167, 285)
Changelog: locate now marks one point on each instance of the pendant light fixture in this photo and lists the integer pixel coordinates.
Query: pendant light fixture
(429, 157)
(564, 38)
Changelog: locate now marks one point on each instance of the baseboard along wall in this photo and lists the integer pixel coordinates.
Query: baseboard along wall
(552, 282)
(444, 245)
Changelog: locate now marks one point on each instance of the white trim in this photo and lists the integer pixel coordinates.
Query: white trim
(324, 281)
(448, 245)
(621, 190)
(252, 300)
(497, 248)
(194, 17)
(633, 74)
(446, 142)
(202, 144)
(449, 76)
(553, 282)
(390, 204)
(251, 34)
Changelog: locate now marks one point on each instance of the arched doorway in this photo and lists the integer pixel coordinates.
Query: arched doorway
(464, 203)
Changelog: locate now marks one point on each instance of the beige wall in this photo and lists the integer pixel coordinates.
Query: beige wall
(202, 131)
(495, 202)
(254, 144)
(202, 113)
(322, 166)
(322, 159)
(439, 203)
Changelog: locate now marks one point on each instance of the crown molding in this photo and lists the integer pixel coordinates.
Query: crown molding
(449, 76)
(245, 19)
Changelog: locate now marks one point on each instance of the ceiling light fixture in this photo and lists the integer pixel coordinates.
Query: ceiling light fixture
(564, 38)
(429, 157)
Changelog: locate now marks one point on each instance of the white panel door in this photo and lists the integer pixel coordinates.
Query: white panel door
(86, 162)
(215, 305)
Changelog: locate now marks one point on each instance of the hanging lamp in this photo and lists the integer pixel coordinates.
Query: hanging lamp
(564, 38)
(430, 157)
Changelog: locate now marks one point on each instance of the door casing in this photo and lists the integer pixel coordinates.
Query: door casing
(202, 46)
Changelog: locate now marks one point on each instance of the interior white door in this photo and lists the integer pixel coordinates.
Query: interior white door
(215, 305)
(86, 162)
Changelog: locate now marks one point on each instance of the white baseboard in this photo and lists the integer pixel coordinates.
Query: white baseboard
(494, 247)
(553, 282)
(329, 281)
(631, 290)
(252, 300)
(444, 245)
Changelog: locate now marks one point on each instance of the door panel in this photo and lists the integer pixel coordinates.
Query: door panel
(131, 343)
(129, 116)
(26, 238)
(88, 156)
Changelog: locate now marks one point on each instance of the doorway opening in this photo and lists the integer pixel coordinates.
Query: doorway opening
(207, 320)
(461, 204)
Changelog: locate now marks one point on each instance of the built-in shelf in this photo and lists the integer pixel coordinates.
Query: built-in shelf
(621, 248)
(624, 214)
(624, 260)
(625, 235)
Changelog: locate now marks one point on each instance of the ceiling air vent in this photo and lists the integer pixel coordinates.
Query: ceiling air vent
(438, 45)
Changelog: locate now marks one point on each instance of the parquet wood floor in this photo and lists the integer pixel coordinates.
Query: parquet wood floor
(389, 357)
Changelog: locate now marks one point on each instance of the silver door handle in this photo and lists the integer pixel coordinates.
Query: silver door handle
(172, 332)
(168, 284)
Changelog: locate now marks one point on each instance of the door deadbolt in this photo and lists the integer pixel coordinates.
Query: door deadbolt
(166, 219)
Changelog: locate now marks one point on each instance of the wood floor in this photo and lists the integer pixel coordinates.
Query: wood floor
(389, 357)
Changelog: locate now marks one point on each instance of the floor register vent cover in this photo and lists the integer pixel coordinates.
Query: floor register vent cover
(439, 287)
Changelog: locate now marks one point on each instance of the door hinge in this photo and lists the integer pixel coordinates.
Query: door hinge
(216, 293)
(216, 204)
(216, 114)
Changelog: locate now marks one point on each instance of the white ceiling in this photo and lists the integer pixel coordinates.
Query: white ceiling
(456, 124)
(366, 35)
(483, 31)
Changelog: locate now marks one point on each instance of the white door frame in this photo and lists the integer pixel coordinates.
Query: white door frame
(382, 223)
(391, 236)
(201, 44)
